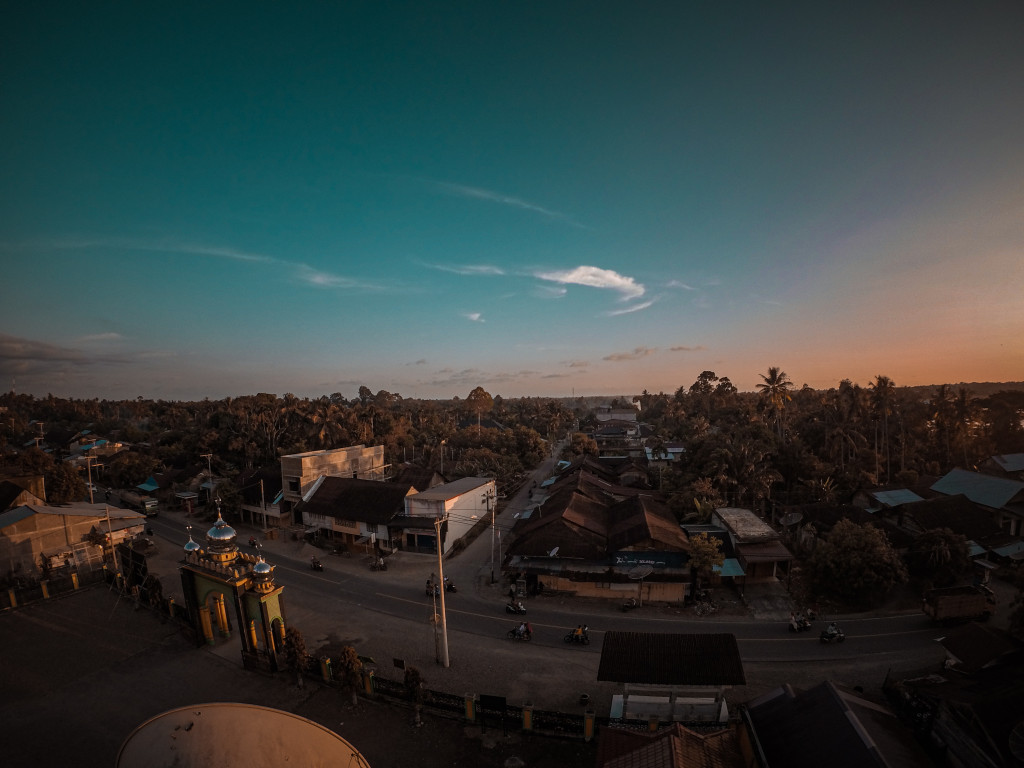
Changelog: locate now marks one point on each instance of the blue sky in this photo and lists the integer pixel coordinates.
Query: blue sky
(210, 200)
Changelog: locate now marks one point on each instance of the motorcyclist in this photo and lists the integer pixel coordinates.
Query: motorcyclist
(832, 629)
(521, 629)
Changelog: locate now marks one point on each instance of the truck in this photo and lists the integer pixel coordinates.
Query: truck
(968, 602)
(147, 505)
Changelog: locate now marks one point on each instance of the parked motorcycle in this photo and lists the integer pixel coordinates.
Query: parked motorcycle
(515, 607)
(315, 564)
(832, 635)
(449, 587)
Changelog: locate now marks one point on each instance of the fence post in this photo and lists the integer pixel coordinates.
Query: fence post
(46, 589)
(470, 707)
(74, 580)
(368, 683)
(652, 723)
(325, 668)
(527, 717)
(170, 606)
(589, 721)
(12, 597)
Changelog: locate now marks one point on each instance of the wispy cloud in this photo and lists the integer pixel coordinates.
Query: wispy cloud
(477, 193)
(18, 355)
(476, 317)
(679, 284)
(101, 337)
(469, 269)
(627, 310)
(550, 292)
(698, 348)
(595, 277)
(578, 363)
(300, 271)
(636, 354)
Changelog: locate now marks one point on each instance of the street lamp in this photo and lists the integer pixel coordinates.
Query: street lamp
(440, 576)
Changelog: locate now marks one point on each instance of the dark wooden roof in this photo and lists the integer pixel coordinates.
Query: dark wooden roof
(829, 726)
(649, 658)
(348, 498)
(958, 513)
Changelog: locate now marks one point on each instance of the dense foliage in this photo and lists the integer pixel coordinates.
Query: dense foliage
(856, 563)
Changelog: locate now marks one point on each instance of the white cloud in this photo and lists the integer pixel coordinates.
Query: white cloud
(595, 277)
(627, 310)
(476, 317)
(469, 269)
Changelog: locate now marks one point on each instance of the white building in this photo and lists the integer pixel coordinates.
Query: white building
(460, 504)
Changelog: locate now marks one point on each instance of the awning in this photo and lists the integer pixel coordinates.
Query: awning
(764, 552)
(1014, 550)
(731, 567)
(149, 486)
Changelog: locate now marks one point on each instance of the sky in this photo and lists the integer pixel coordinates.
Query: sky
(204, 200)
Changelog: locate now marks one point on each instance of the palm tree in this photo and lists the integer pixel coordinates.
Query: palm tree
(882, 394)
(775, 394)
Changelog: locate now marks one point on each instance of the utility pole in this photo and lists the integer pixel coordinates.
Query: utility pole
(209, 467)
(88, 467)
(440, 576)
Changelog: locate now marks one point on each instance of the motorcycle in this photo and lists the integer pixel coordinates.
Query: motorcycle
(799, 624)
(252, 541)
(516, 607)
(516, 634)
(832, 637)
(316, 565)
(630, 604)
(378, 564)
(582, 638)
(432, 589)
(449, 587)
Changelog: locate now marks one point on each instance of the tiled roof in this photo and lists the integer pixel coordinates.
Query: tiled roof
(649, 658)
(673, 747)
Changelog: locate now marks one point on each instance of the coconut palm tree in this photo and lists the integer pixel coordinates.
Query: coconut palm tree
(883, 392)
(774, 395)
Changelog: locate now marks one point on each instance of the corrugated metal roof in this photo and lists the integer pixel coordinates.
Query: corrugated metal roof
(1010, 462)
(899, 496)
(993, 492)
(453, 489)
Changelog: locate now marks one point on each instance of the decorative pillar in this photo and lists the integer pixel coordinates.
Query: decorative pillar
(368, 683)
(280, 634)
(253, 644)
(222, 617)
(74, 580)
(325, 668)
(205, 623)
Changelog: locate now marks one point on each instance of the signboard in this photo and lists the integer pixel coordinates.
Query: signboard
(656, 560)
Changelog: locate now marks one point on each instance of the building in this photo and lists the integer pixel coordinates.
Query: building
(300, 471)
(450, 509)
(35, 538)
(757, 545)
(357, 513)
(1003, 498)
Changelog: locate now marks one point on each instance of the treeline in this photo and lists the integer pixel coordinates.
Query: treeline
(788, 445)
